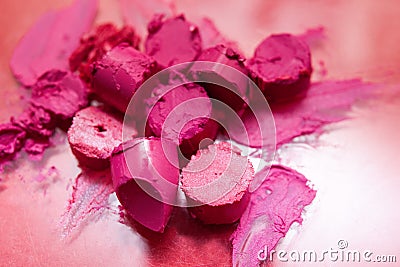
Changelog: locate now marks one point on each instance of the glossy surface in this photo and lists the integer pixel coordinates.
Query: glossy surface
(354, 166)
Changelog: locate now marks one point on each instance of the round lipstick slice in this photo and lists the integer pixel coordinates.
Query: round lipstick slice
(93, 135)
(172, 41)
(232, 89)
(281, 67)
(216, 180)
(146, 180)
(118, 75)
(182, 115)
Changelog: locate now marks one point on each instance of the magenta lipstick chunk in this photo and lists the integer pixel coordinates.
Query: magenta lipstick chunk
(96, 44)
(182, 115)
(93, 135)
(281, 67)
(172, 41)
(12, 139)
(36, 122)
(232, 89)
(217, 180)
(60, 93)
(118, 75)
(145, 178)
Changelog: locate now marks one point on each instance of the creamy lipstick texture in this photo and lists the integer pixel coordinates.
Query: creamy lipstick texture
(75, 62)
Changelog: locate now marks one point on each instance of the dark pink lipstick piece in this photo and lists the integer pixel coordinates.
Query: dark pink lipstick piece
(281, 67)
(145, 179)
(118, 75)
(216, 180)
(94, 45)
(232, 89)
(60, 93)
(93, 135)
(182, 115)
(12, 139)
(172, 41)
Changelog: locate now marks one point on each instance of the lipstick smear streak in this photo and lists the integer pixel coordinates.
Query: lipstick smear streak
(89, 199)
(273, 208)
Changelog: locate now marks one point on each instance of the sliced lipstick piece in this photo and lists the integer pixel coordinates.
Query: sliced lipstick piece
(181, 115)
(232, 88)
(172, 41)
(216, 182)
(118, 75)
(93, 135)
(96, 44)
(145, 178)
(60, 93)
(281, 67)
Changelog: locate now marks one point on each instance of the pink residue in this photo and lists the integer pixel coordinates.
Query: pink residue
(51, 40)
(326, 102)
(273, 208)
(89, 199)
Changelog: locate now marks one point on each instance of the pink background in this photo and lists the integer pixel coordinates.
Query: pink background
(354, 166)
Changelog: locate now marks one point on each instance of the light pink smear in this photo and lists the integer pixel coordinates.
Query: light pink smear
(314, 36)
(88, 201)
(51, 40)
(139, 13)
(326, 102)
(273, 208)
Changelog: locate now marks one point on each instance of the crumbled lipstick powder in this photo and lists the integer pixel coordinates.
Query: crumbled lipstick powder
(89, 199)
(51, 40)
(273, 208)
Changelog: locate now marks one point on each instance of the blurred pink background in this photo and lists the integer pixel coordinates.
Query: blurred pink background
(354, 166)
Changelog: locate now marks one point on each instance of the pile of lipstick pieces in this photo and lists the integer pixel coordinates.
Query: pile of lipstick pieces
(149, 169)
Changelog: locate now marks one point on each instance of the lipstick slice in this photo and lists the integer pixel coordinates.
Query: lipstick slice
(59, 93)
(93, 135)
(232, 88)
(145, 179)
(118, 75)
(181, 115)
(97, 43)
(281, 67)
(172, 41)
(216, 180)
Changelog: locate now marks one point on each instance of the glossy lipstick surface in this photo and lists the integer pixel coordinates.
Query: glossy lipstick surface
(145, 178)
